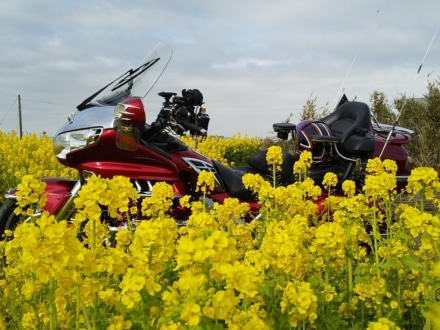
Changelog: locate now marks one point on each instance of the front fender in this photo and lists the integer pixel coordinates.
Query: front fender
(58, 190)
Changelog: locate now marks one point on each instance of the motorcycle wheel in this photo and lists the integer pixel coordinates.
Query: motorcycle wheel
(8, 219)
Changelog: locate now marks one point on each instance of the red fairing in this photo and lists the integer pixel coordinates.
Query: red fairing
(132, 111)
(394, 152)
(57, 190)
(106, 160)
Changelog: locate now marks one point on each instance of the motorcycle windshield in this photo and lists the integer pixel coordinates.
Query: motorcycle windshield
(137, 81)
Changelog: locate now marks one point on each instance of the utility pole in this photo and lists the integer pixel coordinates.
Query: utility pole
(19, 117)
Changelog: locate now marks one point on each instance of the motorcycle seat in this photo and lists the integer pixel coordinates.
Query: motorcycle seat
(350, 123)
(232, 179)
(259, 163)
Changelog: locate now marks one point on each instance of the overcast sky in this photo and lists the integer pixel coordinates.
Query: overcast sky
(255, 61)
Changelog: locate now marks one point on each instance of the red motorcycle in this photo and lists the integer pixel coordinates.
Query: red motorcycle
(109, 136)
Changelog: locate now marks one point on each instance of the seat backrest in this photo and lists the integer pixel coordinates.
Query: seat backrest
(348, 118)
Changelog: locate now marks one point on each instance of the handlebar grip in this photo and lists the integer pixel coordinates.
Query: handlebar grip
(193, 127)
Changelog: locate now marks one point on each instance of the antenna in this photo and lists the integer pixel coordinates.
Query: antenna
(404, 101)
(341, 89)
(346, 76)
(20, 127)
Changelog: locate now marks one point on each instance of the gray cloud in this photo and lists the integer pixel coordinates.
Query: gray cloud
(256, 62)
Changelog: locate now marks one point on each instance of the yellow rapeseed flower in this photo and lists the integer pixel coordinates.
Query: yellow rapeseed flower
(274, 156)
(31, 192)
(299, 302)
(304, 163)
(160, 202)
(330, 180)
(349, 187)
(382, 324)
(423, 179)
(191, 313)
(205, 182)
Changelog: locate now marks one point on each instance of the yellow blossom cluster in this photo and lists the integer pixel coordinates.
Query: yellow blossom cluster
(359, 262)
(30, 192)
(230, 151)
(274, 156)
(205, 182)
(304, 163)
(381, 180)
(374, 292)
(300, 302)
(382, 324)
(30, 155)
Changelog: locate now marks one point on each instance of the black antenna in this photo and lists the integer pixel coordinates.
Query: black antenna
(390, 133)
(341, 88)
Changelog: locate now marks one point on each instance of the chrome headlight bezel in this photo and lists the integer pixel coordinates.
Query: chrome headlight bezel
(67, 142)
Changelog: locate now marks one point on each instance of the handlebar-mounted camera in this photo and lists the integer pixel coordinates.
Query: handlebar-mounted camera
(187, 111)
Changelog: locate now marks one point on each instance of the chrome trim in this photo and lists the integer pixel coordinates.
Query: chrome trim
(142, 192)
(64, 210)
(87, 174)
(200, 165)
(8, 195)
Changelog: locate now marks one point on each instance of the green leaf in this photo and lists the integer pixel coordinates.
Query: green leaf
(411, 262)
(392, 263)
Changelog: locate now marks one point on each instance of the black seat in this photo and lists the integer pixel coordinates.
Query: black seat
(232, 179)
(350, 123)
(259, 163)
(348, 118)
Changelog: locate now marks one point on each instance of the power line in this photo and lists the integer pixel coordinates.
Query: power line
(46, 102)
(8, 111)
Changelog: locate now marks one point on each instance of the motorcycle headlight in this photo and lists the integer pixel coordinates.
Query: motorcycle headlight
(74, 140)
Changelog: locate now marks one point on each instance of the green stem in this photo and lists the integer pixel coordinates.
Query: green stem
(374, 226)
(130, 228)
(427, 292)
(350, 279)
(328, 203)
(93, 234)
(274, 182)
(327, 267)
(389, 217)
(150, 257)
(349, 256)
(86, 316)
(52, 307)
(78, 307)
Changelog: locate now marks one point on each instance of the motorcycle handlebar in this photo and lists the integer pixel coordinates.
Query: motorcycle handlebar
(180, 112)
(193, 127)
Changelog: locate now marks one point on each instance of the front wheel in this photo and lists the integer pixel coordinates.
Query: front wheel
(8, 219)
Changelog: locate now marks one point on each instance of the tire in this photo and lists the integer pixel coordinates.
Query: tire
(8, 219)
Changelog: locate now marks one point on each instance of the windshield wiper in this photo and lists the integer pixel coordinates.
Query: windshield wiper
(135, 73)
(127, 78)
